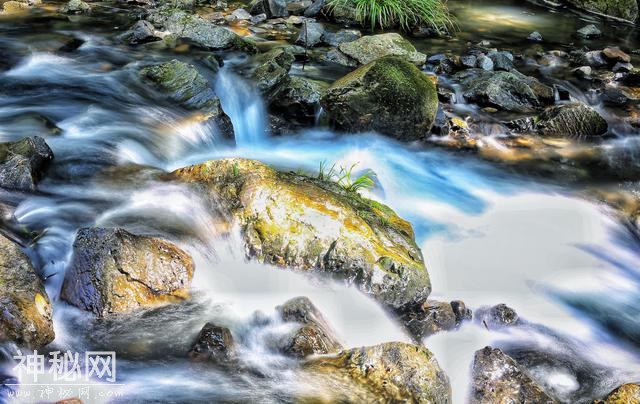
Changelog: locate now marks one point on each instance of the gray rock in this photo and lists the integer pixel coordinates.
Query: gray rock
(583, 72)
(484, 62)
(314, 9)
(622, 67)
(497, 316)
(589, 32)
(214, 344)
(593, 59)
(341, 36)
(114, 271)
(468, 61)
(501, 60)
(432, 317)
(370, 48)
(339, 58)
(509, 91)
(241, 14)
(22, 163)
(25, 317)
(310, 34)
(272, 8)
(535, 36)
(272, 71)
(298, 99)
(257, 19)
(574, 120)
(141, 32)
(498, 379)
(75, 7)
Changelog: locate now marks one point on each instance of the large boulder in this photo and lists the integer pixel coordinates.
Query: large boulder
(622, 9)
(575, 120)
(300, 222)
(186, 86)
(114, 271)
(372, 47)
(272, 71)
(498, 379)
(200, 32)
(509, 91)
(23, 163)
(25, 310)
(625, 394)
(390, 372)
(313, 336)
(388, 95)
(298, 99)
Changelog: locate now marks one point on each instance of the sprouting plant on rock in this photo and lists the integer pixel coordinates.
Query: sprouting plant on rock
(406, 14)
(325, 174)
(344, 177)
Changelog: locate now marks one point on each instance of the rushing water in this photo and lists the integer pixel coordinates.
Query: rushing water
(567, 266)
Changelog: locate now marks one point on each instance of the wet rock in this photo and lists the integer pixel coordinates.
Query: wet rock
(589, 32)
(433, 316)
(341, 36)
(583, 72)
(257, 19)
(625, 394)
(75, 7)
(497, 316)
(314, 9)
(141, 32)
(114, 271)
(25, 317)
(339, 58)
(593, 59)
(369, 48)
(622, 67)
(298, 99)
(19, 6)
(23, 163)
(390, 372)
(535, 36)
(241, 14)
(501, 60)
(314, 336)
(298, 7)
(310, 35)
(200, 32)
(510, 91)
(615, 96)
(622, 9)
(614, 54)
(498, 379)
(484, 62)
(574, 120)
(315, 225)
(468, 61)
(214, 344)
(389, 95)
(272, 71)
(186, 86)
(632, 78)
(272, 8)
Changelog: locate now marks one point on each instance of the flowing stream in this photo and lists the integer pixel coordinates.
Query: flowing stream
(566, 265)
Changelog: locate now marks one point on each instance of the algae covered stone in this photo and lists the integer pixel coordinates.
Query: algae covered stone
(25, 310)
(114, 271)
(300, 222)
(389, 95)
(389, 372)
(370, 48)
(625, 394)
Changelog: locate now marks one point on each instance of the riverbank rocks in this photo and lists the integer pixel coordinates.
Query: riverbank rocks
(23, 163)
(314, 336)
(433, 316)
(310, 35)
(214, 344)
(498, 379)
(25, 317)
(372, 47)
(272, 71)
(509, 91)
(298, 99)
(185, 85)
(388, 95)
(272, 8)
(114, 271)
(575, 120)
(141, 32)
(200, 32)
(75, 7)
(300, 222)
(621, 9)
(390, 372)
(497, 316)
(589, 32)
(625, 394)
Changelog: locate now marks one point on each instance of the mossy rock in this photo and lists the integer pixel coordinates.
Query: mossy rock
(272, 71)
(625, 394)
(372, 47)
(621, 9)
(392, 372)
(388, 95)
(25, 317)
(295, 221)
(299, 99)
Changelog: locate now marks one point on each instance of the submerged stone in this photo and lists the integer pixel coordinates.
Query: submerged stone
(370, 48)
(23, 163)
(388, 95)
(315, 225)
(114, 271)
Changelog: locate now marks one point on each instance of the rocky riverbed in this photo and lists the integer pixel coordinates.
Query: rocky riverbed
(270, 202)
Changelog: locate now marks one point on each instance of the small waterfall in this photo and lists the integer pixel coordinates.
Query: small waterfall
(242, 102)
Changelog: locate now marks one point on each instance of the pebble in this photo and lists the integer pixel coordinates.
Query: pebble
(535, 36)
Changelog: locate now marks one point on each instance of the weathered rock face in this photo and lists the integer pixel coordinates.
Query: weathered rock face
(433, 316)
(370, 48)
(625, 394)
(114, 271)
(199, 31)
(341, 36)
(298, 98)
(25, 310)
(623, 9)
(314, 336)
(498, 379)
(573, 121)
(389, 95)
(272, 71)
(497, 316)
(300, 222)
(141, 32)
(510, 91)
(214, 344)
(390, 372)
(23, 163)
(311, 34)
(186, 86)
